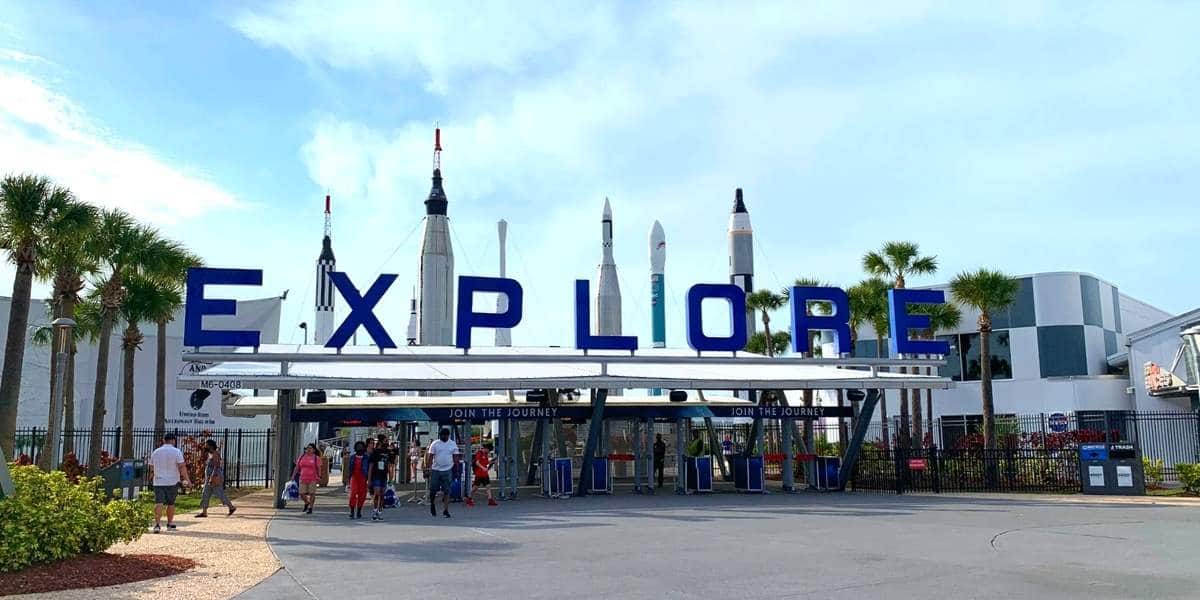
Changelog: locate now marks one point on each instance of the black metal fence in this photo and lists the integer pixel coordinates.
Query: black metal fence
(1172, 437)
(246, 452)
(902, 470)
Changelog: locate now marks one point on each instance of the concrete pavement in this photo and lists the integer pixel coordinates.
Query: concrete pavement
(735, 546)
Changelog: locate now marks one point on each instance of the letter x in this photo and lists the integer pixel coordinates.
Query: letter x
(361, 310)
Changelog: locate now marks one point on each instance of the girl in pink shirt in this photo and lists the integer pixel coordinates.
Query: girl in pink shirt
(308, 468)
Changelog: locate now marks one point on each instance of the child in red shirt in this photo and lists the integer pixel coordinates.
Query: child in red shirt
(480, 464)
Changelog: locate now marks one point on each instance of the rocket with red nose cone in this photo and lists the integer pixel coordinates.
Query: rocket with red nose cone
(435, 324)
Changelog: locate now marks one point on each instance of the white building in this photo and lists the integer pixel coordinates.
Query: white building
(33, 409)
(1051, 351)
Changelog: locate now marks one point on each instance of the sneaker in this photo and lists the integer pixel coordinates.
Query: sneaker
(232, 509)
(470, 501)
(156, 529)
(446, 514)
(492, 502)
(170, 527)
(351, 514)
(310, 510)
(374, 515)
(201, 516)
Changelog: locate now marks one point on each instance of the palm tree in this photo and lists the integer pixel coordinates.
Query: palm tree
(32, 212)
(986, 291)
(780, 341)
(170, 289)
(868, 305)
(897, 260)
(941, 317)
(87, 329)
(126, 249)
(765, 301)
(65, 261)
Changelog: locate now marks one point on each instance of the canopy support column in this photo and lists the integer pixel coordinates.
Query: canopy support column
(595, 431)
(861, 424)
(283, 442)
(648, 455)
(636, 427)
(788, 476)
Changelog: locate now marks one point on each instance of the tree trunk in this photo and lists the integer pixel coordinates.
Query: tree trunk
(14, 351)
(129, 346)
(767, 332)
(69, 403)
(160, 382)
(985, 383)
(107, 317)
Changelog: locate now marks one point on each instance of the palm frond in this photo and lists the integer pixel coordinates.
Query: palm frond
(764, 301)
(985, 290)
(875, 264)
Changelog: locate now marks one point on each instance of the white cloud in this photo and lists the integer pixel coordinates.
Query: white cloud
(44, 132)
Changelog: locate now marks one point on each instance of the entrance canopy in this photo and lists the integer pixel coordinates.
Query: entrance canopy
(421, 368)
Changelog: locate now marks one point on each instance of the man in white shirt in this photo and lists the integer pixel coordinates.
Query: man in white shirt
(440, 460)
(166, 463)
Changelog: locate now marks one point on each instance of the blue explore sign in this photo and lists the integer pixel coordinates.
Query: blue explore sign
(362, 314)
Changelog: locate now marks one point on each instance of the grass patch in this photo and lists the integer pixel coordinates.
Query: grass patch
(1169, 492)
(190, 502)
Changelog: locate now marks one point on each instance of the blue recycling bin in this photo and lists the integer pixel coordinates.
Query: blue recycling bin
(601, 476)
(748, 474)
(556, 481)
(828, 468)
(697, 477)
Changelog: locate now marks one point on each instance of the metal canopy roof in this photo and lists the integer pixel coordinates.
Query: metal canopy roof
(447, 368)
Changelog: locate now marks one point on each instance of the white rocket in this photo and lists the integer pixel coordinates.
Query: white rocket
(435, 324)
(607, 308)
(741, 252)
(658, 309)
(324, 298)
(411, 333)
(503, 335)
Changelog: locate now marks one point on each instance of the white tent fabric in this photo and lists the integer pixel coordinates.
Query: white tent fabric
(441, 368)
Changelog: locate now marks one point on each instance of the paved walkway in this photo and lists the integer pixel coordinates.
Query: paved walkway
(732, 546)
(231, 552)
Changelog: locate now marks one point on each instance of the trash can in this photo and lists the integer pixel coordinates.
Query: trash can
(827, 472)
(1112, 469)
(748, 474)
(124, 478)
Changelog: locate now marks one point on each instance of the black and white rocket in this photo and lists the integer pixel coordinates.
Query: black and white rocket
(326, 263)
(411, 331)
(503, 334)
(435, 323)
(741, 252)
(607, 308)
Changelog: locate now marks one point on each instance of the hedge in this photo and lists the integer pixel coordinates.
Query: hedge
(49, 518)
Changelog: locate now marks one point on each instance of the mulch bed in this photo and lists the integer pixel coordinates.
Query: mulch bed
(91, 570)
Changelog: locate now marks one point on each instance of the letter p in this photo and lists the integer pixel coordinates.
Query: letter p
(468, 319)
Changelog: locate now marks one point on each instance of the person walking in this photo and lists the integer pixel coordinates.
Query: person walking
(440, 460)
(414, 459)
(695, 449)
(660, 457)
(169, 470)
(358, 470)
(308, 469)
(482, 482)
(380, 463)
(214, 480)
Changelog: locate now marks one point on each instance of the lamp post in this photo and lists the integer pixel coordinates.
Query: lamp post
(62, 330)
(304, 326)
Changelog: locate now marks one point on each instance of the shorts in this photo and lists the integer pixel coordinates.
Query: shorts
(165, 494)
(308, 488)
(439, 481)
(482, 481)
(378, 483)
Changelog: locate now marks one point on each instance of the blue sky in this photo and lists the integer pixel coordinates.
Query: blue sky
(1059, 136)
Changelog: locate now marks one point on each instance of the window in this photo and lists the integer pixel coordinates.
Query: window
(1061, 350)
(1089, 289)
(970, 368)
(953, 368)
(1020, 313)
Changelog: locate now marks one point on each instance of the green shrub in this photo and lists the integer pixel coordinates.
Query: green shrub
(1153, 468)
(49, 518)
(1189, 476)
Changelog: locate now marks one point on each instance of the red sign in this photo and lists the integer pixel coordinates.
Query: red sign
(918, 464)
